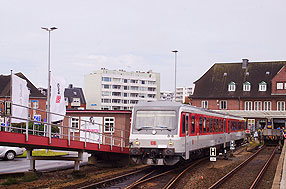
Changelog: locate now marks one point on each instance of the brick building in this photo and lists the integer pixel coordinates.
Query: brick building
(107, 122)
(254, 90)
(36, 100)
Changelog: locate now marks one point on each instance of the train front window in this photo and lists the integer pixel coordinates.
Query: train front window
(146, 120)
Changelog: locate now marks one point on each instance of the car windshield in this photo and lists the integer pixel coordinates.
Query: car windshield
(146, 120)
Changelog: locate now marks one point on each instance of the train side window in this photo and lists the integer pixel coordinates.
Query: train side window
(217, 125)
(208, 125)
(205, 122)
(232, 126)
(187, 124)
(211, 128)
(213, 125)
(229, 127)
(201, 124)
(223, 125)
(184, 124)
(193, 125)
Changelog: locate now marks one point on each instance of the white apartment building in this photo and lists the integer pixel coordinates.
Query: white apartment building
(120, 90)
(182, 93)
(167, 95)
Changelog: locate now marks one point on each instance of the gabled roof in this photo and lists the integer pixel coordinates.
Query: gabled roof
(214, 83)
(5, 86)
(74, 92)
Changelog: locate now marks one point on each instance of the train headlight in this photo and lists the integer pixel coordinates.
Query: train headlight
(137, 142)
(154, 132)
(171, 143)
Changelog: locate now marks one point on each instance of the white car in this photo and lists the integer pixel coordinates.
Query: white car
(9, 153)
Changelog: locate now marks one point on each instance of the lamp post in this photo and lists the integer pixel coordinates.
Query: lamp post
(175, 51)
(49, 81)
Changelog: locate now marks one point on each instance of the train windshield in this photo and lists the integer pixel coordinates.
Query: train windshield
(146, 120)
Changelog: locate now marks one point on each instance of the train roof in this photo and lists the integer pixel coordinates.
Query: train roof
(177, 105)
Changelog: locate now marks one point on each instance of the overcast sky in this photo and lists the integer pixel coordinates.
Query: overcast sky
(138, 35)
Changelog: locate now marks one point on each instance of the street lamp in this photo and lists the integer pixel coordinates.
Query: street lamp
(175, 51)
(49, 80)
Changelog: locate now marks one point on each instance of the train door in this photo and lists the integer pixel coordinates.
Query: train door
(187, 142)
(185, 132)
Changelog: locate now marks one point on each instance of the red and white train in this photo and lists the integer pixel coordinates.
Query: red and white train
(164, 133)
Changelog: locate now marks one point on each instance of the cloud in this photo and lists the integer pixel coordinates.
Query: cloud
(127, 61)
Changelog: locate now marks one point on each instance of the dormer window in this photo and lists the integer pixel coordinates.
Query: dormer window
(246, 86)
(231, 86)
(262, 86)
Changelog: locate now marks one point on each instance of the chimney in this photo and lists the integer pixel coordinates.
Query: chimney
(244, 63)
(70, 86)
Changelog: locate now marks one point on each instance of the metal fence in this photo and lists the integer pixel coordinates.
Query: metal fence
(117, 137)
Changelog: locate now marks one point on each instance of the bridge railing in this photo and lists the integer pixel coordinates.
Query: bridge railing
(69, 128)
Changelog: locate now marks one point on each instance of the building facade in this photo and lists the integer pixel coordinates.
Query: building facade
(167, 95)
(113, 125)
(36, 99)
(74, 98)
(182, 93)
(253, 90)
(120, 90)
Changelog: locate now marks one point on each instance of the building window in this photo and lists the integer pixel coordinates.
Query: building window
(75, 123)
(126, 87)
(106, 100)
(258, 105)
(117, 101)
(246, 86)
(105, 93)
(133, 101)
(142, 95)
(106, 79)
(106, 86)
(134, 88)
(262, 86)
(267, 106)
(280, 106)
(223, 105)
(204, 104)
(279, 85)
(116, 93)
(248, 105)
(142, 82)
(125, 94)
(133, 81)
(117, 80)
(35, 104)
(105, 107)
(109, 124)
(231, 86)
(125, 80)
(116, 86)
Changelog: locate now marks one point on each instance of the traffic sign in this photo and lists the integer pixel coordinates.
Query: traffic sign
(213, 151)
(212, 158)
(37, 118)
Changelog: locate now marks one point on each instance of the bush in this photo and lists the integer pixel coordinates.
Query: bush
(10, 181)
(29, 177)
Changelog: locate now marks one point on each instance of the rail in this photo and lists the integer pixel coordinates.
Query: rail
(70, 128)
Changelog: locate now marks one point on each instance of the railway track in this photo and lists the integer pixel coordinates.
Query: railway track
(248, 173)
(163, 178)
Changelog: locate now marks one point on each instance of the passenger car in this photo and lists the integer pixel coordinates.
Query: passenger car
(164, 133)
(9, 153)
